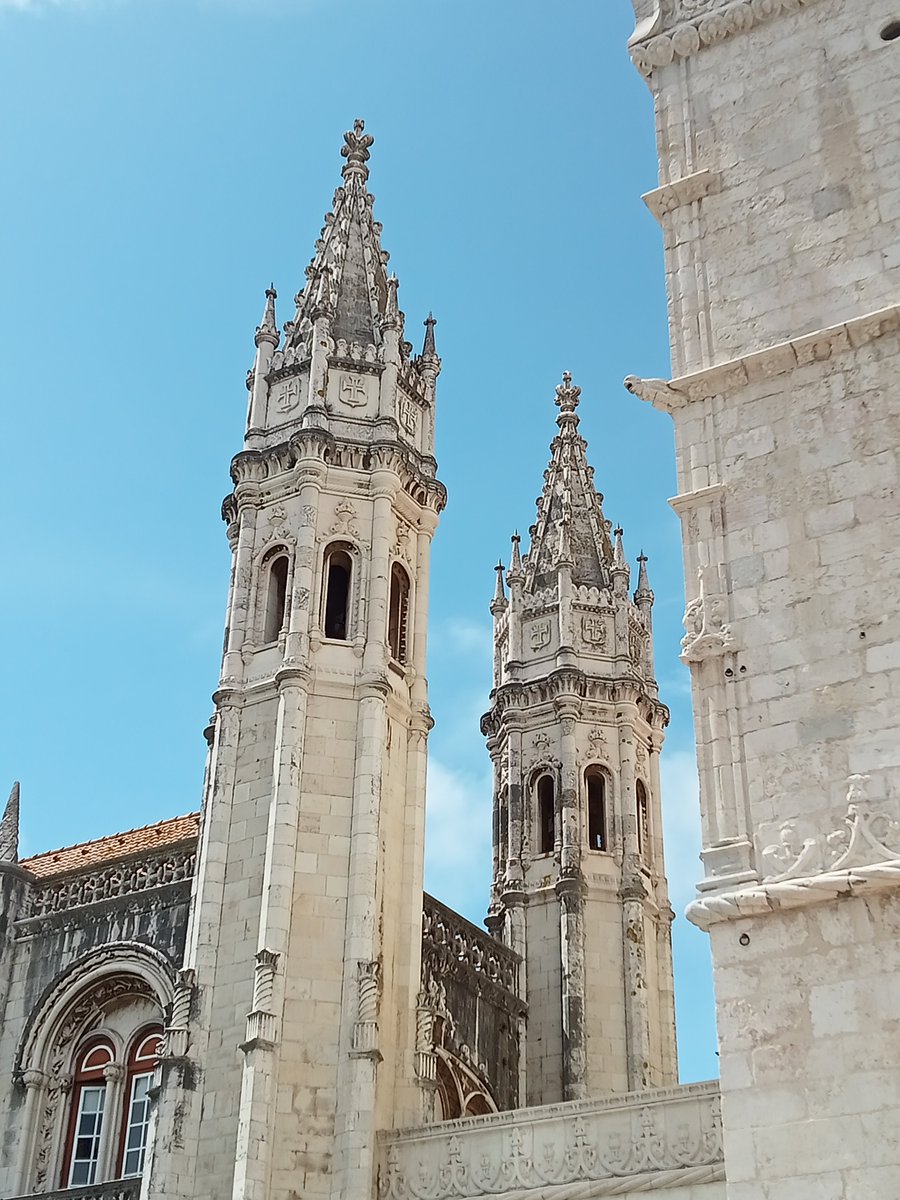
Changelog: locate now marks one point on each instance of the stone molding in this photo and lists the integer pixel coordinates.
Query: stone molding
(696, 24)
(780, 359)
(118, 881)
(569, 1151)
(793, 893)
(678, 192)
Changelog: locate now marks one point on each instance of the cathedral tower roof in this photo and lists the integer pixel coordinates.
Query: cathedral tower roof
(348, 278)
(570, 525)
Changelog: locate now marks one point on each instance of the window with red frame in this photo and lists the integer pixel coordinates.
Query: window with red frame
(86, 1159)
(136, 1112)
(88, 1110)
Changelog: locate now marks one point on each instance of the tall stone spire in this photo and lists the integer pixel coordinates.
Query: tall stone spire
(267, 330)
(570, 522)
(9, 828)
(574, 731)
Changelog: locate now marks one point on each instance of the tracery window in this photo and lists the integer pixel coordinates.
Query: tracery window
(595, 784)
(398, 614)
(101, 1089)
(276, 579)
(87, 1114)
(336, 606)
(643, 820)
(546, 806)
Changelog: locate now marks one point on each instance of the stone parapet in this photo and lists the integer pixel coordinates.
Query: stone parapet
(114, 1189)
(635, 1142)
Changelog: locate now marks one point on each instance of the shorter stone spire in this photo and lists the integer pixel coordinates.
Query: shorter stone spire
(9, 828)
(428, 349)
(499, 602)
(267, 330)
(643, 592)
(619, 562)
(356, 150)
(515, 573)
(391, 318)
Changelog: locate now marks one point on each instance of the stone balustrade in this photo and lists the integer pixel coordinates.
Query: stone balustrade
(114, 1189)
(588, 1148)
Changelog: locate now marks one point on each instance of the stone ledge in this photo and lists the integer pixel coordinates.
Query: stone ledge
(679, 192)
(701, 23)
(780, 359)
(793, 893)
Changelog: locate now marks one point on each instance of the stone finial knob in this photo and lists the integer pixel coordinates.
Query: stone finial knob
(356, 149)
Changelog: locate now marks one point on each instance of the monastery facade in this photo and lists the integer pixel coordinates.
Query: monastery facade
(259, 1002)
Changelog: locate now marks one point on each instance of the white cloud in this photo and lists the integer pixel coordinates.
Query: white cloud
(458, 838)
(681, 821)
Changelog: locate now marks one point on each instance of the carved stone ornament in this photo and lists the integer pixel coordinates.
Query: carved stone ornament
(409, 418)
(352, 391)
(345, 518)
(707, 635)
(607, 1150)
(287, 394)
(540, 634)
(593, 631)
(866, 835)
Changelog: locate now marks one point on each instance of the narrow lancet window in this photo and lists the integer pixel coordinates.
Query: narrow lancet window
(546, 814)
(643, 820)
(338, 572)
(596, 810)
(276, 597)
(398, 614)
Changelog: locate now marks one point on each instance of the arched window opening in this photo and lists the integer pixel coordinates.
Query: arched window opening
(596, 810)
(643, 820)
(546, 813)
(276, 597)
(136, 1114)
(398, 613)
(338, 572)
(88, 1110)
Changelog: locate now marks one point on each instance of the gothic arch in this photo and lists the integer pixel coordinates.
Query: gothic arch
(341, 544)
(109, 986)
(258, 607)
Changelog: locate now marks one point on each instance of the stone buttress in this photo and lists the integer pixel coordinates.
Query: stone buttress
(303, 961)
(779, 201)
(575, 730)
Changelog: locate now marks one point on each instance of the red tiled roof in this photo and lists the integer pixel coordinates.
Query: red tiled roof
(117, 845)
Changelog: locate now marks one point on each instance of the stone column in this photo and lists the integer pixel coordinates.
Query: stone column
(302, 600)
(570, 894)
(239, 615)
(633, 893)
(35, 1083)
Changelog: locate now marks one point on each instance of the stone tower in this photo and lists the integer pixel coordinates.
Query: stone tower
(779, 199)
(292, 1035)
(575, 730)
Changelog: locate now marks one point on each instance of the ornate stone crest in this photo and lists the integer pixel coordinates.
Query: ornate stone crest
(352, 391)
(540, 634)
(707, 635)
(287, 397)
(593, 630)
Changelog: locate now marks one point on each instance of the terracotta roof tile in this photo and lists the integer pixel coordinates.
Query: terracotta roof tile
(117, 845)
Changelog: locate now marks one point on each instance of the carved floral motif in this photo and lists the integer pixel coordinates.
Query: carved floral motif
(866, 835)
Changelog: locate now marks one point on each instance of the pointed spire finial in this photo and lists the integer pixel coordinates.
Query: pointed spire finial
(619, 563)
(566, 395)
(267, 330)
(515, 567)
(9, 828)
(356, 150)
(643, 591)
(428, 349)
(499, 601)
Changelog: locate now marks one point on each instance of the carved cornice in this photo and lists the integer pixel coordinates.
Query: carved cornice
(780, 359)
(415, 471)
(510, 700)
(793, 893)
(679, 192)
(679, 28)
(638, 1143)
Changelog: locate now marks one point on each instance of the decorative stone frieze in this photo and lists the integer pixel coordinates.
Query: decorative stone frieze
(679, 192)
(680, 28)
(780, 359)
(613, 1146)
(118, 881)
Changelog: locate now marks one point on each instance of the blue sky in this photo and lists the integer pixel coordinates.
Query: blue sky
(162, 161)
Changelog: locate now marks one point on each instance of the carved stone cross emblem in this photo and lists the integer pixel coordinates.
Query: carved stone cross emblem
(353, 391)
(540, 634)
(289, 395)
(593, 630)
